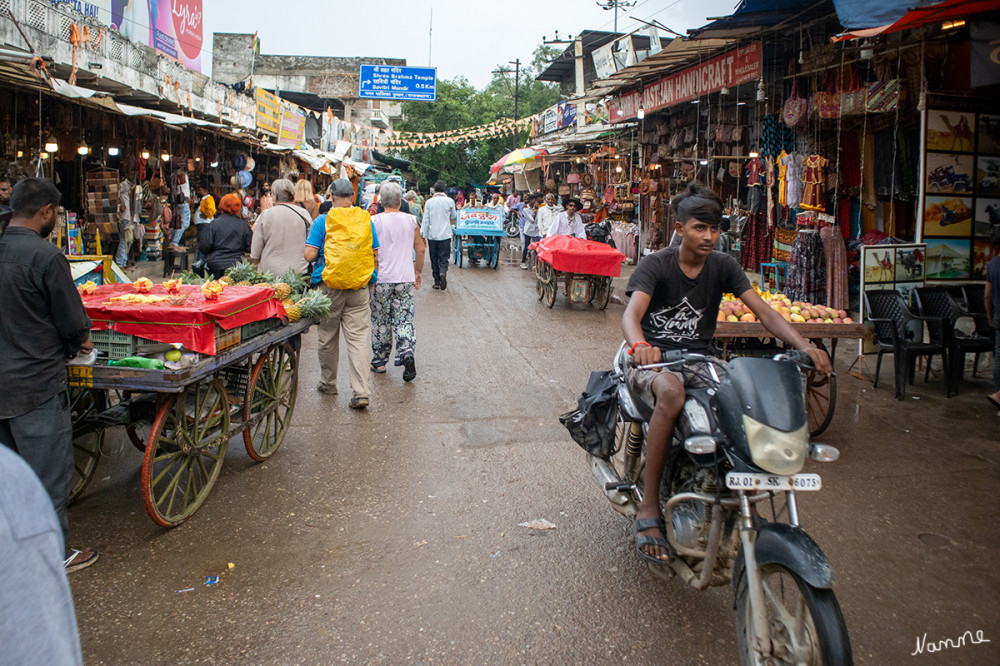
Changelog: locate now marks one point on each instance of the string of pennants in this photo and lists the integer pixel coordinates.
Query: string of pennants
(499, 128)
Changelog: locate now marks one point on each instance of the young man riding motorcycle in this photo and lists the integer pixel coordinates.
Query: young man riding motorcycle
(675, 295)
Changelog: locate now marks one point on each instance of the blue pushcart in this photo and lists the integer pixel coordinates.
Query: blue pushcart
(478, 233)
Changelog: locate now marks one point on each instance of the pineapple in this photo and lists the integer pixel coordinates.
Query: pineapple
(224, 280)
(262, 280)
(243, 283)
(282, 290)
(244, 271)
(315, 304)
(288, 303)
(296, 282)
(293, 312)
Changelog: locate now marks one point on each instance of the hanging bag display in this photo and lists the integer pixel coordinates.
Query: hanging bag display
(852, 101)
(885, 94)
(827, 102)
(793, 113)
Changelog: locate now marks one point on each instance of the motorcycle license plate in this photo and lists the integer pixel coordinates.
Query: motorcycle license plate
(748, 481)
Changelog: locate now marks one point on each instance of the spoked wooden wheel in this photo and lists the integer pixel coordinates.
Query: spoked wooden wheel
(270, 398)
(88, 436)
(603, 293)
(550, 293)
(821, 398)
(539, 288)
(184, 452)
(495, 255)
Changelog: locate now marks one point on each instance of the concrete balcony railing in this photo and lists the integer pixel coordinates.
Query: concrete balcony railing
(108, 62)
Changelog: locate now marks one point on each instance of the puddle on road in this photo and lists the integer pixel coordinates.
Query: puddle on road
(935, 540)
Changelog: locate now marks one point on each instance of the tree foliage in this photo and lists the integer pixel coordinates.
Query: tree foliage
(460, 105)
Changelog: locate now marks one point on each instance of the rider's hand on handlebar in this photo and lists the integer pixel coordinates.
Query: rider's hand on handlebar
(643, 355)
(819, 359)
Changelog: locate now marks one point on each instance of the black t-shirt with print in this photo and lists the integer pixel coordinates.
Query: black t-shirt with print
(682, 311)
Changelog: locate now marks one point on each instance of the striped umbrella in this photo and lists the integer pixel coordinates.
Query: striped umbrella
(519, 156)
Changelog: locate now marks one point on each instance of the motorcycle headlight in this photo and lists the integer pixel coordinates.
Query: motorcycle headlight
(775, 451)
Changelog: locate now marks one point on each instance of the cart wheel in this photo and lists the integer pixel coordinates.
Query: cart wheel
(271, 398)
(539, 288)
(550, 293)
(184, 452)
(604, 293)
(137, 432)
(495, 258)
(458, 251)
(88, 436)
(821, 399)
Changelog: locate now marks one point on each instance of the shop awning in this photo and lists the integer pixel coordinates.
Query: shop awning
(867, 19)
(750, 16)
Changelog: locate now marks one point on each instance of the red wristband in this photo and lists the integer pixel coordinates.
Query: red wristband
(631, 350)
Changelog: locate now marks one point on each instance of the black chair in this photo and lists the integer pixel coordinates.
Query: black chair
(938, 302)
(975, 307)
(901, 333)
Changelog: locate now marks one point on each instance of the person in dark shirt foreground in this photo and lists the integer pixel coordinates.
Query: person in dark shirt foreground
(43, 325)
(674, 303)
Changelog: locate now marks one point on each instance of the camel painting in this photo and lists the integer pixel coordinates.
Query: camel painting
(950, 131)
(989, 134)
(879, 265)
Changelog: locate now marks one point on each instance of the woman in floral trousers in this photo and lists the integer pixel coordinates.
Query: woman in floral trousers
(400, 262)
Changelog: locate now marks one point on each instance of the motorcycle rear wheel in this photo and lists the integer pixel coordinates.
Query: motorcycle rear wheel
(819, 638)
(627, 470)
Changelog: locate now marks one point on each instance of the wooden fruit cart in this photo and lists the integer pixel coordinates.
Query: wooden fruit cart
(182, 420)
(750, 338)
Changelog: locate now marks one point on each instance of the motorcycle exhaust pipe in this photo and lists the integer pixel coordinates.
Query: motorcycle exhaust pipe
(605, 475)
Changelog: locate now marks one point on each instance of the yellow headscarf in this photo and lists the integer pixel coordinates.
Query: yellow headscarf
(208, 207)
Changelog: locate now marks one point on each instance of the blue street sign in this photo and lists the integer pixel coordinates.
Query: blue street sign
(411, 84)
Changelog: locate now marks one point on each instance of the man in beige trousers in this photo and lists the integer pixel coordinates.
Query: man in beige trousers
(344, 241)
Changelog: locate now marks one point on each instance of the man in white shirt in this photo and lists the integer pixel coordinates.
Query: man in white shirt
(436, 228)
(546, 214)
(569, 223)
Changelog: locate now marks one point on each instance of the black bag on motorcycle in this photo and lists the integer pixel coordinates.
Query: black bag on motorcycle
(592, 424)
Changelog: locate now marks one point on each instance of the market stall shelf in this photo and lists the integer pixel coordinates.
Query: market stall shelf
(188, 416)
(748, 338)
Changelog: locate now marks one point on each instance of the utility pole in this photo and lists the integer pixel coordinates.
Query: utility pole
(517, 90)
(430, 36)
(608, 5)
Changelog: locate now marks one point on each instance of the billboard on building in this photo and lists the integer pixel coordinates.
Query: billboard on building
(172, 27)
(268, 111)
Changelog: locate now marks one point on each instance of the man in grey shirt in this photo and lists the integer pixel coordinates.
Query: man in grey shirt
(37, 621)
(439, 220)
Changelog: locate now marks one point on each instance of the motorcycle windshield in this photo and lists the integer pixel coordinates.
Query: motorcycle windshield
(769, 392)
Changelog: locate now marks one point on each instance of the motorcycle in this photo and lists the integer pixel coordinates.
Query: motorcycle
(600, 232)
(511, 224)
(738, 447)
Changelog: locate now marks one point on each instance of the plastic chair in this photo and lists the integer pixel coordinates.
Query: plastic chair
(975, 307)
(901, 333)
(938, 302)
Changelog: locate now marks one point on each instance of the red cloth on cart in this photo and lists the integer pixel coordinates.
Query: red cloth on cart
(575, 255)
(191, 324)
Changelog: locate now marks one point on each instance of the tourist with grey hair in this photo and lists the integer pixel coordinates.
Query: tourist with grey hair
(400, 262)
(410, 198)
(279, 237)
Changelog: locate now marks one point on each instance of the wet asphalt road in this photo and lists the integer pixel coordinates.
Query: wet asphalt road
(391, 536)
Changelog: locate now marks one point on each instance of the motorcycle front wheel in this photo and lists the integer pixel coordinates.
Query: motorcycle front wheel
(805, 622)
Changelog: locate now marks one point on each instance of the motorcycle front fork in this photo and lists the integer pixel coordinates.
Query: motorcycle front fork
(755, 586)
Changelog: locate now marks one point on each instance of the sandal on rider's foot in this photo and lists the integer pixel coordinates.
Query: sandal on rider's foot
(378, 369)
(643, 524)
(79, 559)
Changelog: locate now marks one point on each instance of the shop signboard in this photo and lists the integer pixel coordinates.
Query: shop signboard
(172, 27)
(566, 114)
(550, 122)
(728, 70)
(482, 221)
(268, 111)
(411, 84)
(604, 60)
(293, 127)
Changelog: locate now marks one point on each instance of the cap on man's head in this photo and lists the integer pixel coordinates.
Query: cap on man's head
(342, 188)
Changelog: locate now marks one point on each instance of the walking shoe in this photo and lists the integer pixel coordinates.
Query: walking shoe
(444, 283)
(328, 390)
(524, 266)
(80, 559)
(409, 368)
(358, 403)
(437, 285)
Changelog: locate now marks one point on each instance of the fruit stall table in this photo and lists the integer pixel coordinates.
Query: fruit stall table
(588, 266)
(243, 382)
(821, 392)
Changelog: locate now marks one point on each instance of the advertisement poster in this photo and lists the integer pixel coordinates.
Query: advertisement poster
(292, 129)
(172, 27)
(483, 221)
(268, 111)
(961, 192)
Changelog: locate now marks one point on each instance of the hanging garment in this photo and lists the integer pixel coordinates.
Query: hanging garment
(782, 182)
(754, 169)
(793, 177)
(850, 160)
(868, 171)
(835, 255)
(806, 270)
(757, 244)
(813, 180)
(769, 170)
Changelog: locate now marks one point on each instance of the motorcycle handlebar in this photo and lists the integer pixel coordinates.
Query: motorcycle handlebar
(668, 358)
(799, 357)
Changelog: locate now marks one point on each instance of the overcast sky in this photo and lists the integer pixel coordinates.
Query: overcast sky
(470, 37)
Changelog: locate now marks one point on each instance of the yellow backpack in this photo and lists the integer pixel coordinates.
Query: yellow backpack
(347, 249)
